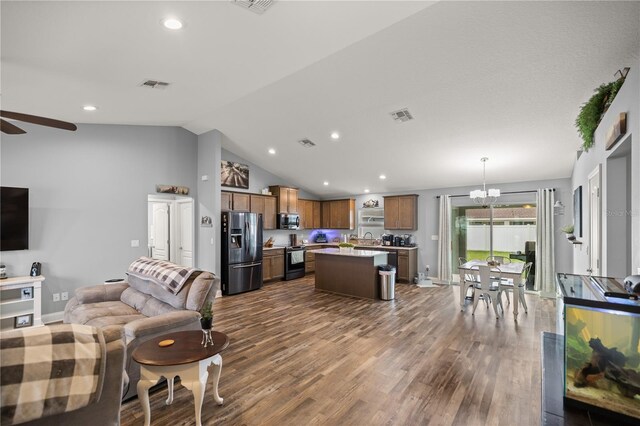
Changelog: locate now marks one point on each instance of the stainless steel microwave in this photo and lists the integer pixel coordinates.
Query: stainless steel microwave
(288, 221)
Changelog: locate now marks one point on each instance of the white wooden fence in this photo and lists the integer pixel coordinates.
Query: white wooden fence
(510, 238)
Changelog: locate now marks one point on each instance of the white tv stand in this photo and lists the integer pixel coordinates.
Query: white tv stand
(14, 304)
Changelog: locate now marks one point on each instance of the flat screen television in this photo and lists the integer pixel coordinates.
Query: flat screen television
(14, 215)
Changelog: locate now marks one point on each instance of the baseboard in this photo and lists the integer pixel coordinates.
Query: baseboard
(53, 317)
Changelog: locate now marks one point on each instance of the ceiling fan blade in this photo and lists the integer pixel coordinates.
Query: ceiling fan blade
(36, 119)
(10, 129)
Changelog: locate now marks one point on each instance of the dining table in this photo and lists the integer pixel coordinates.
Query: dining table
(507, 270)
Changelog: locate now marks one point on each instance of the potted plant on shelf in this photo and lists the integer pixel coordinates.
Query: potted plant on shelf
(206, 318)
(346, 247)
(568, 230)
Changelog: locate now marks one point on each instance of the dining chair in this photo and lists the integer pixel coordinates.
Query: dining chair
(488, 287)
(469, 280)
(508, 285)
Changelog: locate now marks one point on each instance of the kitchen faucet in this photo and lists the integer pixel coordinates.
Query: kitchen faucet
(364, 237)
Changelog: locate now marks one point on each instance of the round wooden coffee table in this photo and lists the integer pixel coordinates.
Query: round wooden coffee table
(185, 358)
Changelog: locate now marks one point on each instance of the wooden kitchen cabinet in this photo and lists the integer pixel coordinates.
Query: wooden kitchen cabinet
(265, 205)
(235, 201)
(407, 265)
(325, 209)
(287, 199)
(401, 212)
(310, 212)
(225, 201)
(339, 214)
(310, 262)
(269, 217)
(272, 264)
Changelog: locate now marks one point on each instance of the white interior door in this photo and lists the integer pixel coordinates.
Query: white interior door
(159, 242)
(595, 219)
(185, 233)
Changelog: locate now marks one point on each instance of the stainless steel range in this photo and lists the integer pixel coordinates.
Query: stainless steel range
(294, 262)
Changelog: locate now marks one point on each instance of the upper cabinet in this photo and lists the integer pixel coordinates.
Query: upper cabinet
(310, 212)
(287, 199)
(339, 214)
(235, 201)
(401, 212)
(254, 203)
(265, 205)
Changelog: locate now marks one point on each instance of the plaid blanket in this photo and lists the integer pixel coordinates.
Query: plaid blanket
(49, 370)
(169, 275)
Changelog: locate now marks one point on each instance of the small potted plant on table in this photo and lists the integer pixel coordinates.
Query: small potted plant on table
(206, 322)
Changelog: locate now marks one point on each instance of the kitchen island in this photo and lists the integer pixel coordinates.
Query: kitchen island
(350, 273)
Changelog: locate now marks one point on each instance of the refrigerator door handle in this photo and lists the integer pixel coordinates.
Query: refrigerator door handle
(246, 266)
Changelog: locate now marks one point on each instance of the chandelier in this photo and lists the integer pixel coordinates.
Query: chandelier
(482, 196)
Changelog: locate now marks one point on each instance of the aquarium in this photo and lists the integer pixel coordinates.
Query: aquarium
(601, 349)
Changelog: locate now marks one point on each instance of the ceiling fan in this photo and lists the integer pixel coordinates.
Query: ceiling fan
(12, 129)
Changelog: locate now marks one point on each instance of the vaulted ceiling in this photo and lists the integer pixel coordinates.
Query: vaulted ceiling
(497, 79)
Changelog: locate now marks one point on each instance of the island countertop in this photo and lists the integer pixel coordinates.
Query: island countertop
(352, 253)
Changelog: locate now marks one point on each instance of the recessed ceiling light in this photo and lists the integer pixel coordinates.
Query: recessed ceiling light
(366, 191)
(172, 24)
(272, 151)
(335, 136)
(383, 177)
(89, 108)
(325, 183)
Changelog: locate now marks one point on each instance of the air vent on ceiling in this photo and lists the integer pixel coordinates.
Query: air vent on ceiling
(154, 84)
(257, 6)
(306, 143)
(402, 115)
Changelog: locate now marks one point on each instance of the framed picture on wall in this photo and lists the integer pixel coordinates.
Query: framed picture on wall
(234, 175)
(577, 212)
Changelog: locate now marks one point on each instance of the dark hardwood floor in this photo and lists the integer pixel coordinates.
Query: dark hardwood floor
(301, 357)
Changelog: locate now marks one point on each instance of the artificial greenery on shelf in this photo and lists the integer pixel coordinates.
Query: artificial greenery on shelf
(592, 111)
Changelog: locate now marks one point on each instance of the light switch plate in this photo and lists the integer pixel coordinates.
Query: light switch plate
(434, 238)
(64, 295)
(56, 297)
(135, 243)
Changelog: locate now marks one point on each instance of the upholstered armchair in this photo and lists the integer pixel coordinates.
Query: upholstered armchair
(143, 309)
(71, 375)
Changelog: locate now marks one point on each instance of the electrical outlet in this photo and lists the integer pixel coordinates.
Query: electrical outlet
(135, 243)
(64, 295)
(56, 297)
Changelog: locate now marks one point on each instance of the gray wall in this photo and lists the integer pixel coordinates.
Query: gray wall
(88, 197)
(428, 212)
(428, 216)
(620, 201)
(208, 254)
(259, 178)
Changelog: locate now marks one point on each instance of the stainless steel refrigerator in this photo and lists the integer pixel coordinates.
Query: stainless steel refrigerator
(241, 252)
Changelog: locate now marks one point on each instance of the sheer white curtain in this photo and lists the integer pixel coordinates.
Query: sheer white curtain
(545, 262)
(444, 240)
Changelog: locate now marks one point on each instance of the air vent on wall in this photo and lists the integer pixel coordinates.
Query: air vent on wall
(257, 6)
(154, 84)
(306, 143)
(402, 115)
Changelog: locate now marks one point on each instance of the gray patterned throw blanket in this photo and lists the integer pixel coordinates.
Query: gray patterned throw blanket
(169, 275)
(50, 370)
